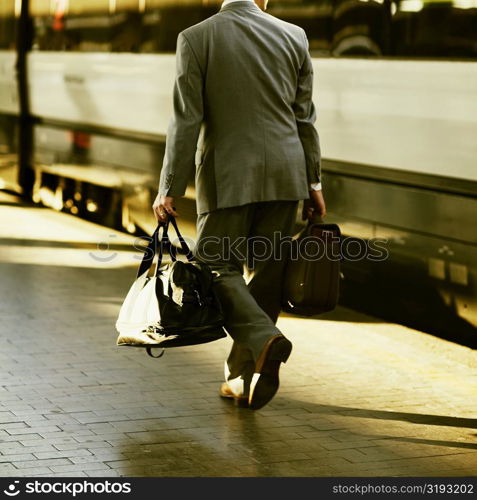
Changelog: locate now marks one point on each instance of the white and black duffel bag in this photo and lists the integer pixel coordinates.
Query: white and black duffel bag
(174, 307)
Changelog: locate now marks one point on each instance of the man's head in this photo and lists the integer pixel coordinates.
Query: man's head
(262, 4)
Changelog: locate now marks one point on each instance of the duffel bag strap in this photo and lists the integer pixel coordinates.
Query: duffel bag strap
(157, 245)
(151, 248)
(185, 247)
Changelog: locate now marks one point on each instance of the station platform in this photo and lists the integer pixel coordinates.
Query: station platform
(358, 396)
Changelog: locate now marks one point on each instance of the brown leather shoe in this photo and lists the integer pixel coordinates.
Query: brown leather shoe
(227, 392)
(265, 380)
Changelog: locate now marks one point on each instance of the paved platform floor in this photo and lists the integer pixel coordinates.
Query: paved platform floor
(359, 397)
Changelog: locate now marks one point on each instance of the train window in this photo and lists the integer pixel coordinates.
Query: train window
(76, 25)
(163, 21)
(435, 29)
(339, 28)
(360, 28)
(8, 24)
(40, 7)
(385, 28)
(115, 25)
(315, 17)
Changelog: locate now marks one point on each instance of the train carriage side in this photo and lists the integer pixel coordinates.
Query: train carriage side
(395, 91)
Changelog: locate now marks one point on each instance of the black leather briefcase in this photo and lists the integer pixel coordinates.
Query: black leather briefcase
(312, 272)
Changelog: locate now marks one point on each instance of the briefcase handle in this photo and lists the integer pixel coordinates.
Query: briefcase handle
(315, 219)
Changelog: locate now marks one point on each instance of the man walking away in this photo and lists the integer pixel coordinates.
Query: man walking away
(245, 79)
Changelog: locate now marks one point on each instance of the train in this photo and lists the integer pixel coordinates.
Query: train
(86, 97)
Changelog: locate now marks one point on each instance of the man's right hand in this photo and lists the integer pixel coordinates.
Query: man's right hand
(314, 207)
(162, 206)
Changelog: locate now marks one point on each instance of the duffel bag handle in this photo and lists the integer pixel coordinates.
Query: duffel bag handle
(150, 251)
(185, 248)
(160, 246)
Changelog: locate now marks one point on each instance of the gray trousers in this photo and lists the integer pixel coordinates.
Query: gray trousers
(246, 238)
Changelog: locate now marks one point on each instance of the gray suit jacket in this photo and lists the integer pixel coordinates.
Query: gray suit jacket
(244, 83)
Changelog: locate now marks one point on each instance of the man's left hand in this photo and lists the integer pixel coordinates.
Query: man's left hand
(314, 206)
(162, 206)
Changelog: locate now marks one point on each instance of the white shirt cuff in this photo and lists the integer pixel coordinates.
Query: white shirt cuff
(316, 186)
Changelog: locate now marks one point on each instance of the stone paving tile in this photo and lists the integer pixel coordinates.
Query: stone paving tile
(23, 438)
(77, 446)
(67, 469)
(358, 397)
(17, 457)
(33, 471)
(60, 474)
(45, 463)
(106, 472)
(63, 454)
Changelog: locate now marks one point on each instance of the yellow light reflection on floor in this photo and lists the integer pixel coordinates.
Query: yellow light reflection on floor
(70, 257)
(396, 346)
(43, 224)
(42, 228)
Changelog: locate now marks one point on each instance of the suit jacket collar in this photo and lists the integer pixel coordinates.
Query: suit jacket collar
(241, 5)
